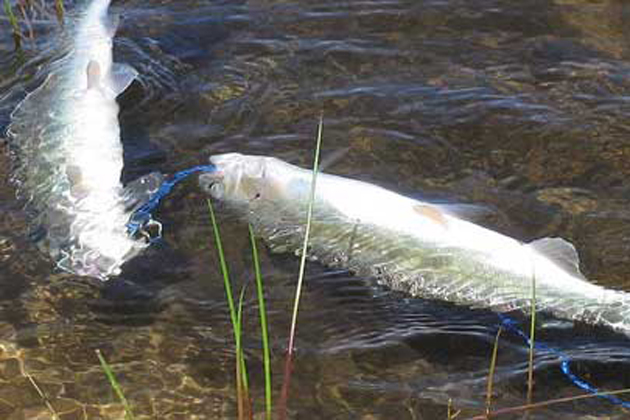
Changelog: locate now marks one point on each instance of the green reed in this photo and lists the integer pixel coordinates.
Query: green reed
(236, 312)
(60, 11)
(115, 386)
(532, 338)
(263, 324)
(309, 218)
(493, 365)
(28, 11)
(244, 403)
(15, 26)
(298, 292)
(242, 384)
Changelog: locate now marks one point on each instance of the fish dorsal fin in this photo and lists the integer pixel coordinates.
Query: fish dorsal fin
(561, 252)
(93, 75)
(431, 212)
(122, 75)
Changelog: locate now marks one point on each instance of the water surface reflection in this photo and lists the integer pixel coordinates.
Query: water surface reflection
(519, 107)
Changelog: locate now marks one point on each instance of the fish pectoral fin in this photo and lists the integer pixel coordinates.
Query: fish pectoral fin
(122, 75)
(93, 75)
(561, 252)
(431, 212)
(474, 213)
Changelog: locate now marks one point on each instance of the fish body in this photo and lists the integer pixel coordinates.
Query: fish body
(410, 245)
(70, 158)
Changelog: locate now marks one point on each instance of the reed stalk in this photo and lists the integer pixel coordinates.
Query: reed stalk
(493, 364)
(15, 26)
(242, 385)
(288, 366)
(60, 11)
(532, 340)
(543, 404)
(263, 325)
(115, 386)
(309, 218)
(245, 405)
(42, 395)
(451, 414)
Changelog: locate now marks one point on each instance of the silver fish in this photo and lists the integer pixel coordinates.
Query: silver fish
(410, 245)
(70, 158)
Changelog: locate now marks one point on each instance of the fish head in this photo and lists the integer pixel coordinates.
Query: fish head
(244, 179)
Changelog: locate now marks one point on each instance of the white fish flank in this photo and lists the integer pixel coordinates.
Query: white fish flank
(410, 245)
(67, 138)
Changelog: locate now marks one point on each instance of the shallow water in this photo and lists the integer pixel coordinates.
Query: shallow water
(519, 107)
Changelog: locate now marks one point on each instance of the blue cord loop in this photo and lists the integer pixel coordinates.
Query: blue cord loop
(565, 362)
(141, 220)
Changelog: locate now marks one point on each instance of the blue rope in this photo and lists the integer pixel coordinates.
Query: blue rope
(565, 362)
(142, 215)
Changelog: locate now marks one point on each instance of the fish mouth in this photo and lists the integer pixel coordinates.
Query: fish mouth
(212, 183)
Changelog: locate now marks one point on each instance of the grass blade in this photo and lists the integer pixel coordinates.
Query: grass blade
(543, 404)
(263, 325)
(115, 386)
(451, 414)
(493, 365)
(25, 19)
(60, 11)
(309, 217)
(224, 270)
(288, 366)
(15, 26)
(241, 370)
(42, 395)
(532, 338)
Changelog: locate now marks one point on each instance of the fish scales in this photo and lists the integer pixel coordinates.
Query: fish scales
(410, 245)
(69, 155)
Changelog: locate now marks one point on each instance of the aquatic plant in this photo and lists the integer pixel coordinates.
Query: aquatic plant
(41, 394)
(532, 341)
(60, 11)
(451, 414)
(263, 324)
(15, 26)
(288, 366)
(242, 380)
(28, 11)
(543, 404)
(242, 385)
(493, 364)
(115, 386)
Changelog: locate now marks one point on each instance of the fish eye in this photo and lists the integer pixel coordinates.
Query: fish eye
(217, 190)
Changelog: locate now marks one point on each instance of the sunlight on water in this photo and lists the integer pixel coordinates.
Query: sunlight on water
(518, 107)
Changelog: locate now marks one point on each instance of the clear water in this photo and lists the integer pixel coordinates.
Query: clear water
(518, 106)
